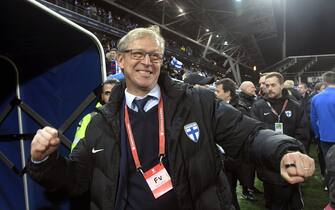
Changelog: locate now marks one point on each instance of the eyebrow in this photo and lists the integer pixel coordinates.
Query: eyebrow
(156, 50)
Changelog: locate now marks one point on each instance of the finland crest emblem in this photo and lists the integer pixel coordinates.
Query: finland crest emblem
(288, 113)
(192, 131)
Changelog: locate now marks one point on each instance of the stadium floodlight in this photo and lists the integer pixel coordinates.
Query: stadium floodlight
(238, 0)
(207, 30)
(180, 10)
(217, 36)
(225, 43)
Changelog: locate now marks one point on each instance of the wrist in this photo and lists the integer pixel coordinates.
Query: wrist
(39, 161)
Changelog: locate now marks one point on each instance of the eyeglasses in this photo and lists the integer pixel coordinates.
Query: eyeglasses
(137, 54)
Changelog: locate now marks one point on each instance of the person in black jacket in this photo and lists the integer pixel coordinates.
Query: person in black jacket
(236, 170)
(282, 114)
(305, 104)
(162, 154)
(247, 97)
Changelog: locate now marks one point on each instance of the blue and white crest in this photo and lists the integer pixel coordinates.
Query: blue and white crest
(288, 113)
(192, 131)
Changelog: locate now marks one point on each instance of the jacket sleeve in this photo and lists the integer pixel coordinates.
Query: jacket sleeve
(67, 175)
(253, 111)
(243, 137)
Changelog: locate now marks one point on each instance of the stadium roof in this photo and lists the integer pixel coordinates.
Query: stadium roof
(249, 31)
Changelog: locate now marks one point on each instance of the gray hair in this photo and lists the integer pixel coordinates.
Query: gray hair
(329, 77)
(138, 33)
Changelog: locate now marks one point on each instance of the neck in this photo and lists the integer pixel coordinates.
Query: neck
(139, 93)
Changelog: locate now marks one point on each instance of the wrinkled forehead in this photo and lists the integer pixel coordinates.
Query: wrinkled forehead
(147, 43)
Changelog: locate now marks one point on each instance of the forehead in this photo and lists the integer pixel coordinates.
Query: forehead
(272, 80)
(108, 86)
(146, 43)
(219, 86)
(250, 85)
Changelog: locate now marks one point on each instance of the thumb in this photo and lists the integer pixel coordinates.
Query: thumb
(295, 179)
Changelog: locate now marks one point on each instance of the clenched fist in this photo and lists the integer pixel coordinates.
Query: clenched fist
(295, 167)
(45, 142)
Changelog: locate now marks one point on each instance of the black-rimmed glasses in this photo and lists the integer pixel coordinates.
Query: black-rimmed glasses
(138, 54)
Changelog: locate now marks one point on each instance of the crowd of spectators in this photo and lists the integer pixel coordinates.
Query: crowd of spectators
(105, 15)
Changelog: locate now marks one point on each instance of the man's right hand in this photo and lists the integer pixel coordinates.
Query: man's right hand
(45, 142)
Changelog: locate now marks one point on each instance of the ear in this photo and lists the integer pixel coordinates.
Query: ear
(120, 60)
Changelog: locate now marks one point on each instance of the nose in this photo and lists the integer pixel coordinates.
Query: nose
(146, 60)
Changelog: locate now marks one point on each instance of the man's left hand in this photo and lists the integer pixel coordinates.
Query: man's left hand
(295, 167)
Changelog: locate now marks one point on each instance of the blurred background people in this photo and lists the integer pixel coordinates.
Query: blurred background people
(282, 114)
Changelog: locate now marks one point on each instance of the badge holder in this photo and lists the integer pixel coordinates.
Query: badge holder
(157, 177)
(279, 128)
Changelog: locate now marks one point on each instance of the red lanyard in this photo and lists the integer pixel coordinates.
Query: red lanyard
(282, 110)
(132, 140)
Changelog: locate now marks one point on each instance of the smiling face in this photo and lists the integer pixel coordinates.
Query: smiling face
(141, 75)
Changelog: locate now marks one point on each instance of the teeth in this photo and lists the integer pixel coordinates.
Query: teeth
(147, 72)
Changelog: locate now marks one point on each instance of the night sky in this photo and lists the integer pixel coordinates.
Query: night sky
(310, 29)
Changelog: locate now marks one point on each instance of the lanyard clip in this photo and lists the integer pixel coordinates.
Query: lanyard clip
(140, 170)
(161, 158)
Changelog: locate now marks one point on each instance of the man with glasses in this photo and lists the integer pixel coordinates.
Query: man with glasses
(155, 144)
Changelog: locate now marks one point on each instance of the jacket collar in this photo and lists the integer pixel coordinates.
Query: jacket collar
(173, 90)
(249, 98)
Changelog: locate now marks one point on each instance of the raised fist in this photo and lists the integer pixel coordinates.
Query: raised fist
(45, 142)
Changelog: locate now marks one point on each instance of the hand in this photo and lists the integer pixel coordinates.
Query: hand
(295, 167)
(45, 142)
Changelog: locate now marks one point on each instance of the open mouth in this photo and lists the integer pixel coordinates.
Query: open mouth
(144, 72)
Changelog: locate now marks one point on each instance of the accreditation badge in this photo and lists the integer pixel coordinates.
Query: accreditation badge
(158, 180)
(279, 128)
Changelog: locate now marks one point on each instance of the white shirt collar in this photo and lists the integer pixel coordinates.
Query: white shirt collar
(154, 92)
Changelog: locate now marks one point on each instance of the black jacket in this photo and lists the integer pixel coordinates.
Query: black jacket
(293, 116)
(246, 102)
(293, 120)
(196, 168)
